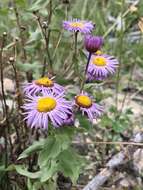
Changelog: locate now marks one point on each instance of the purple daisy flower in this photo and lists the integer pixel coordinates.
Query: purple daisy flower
(88, 107)
(100, 66)
(93, 43)
(44, 84)
(40, 110)
(77, 25)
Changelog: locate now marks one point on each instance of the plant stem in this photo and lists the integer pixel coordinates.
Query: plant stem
(12, 61)
(21, 29)
(5, 109)
(46, 36)
(76, 69)
(120, 57)
(84, 77)
(111, 143)
(130, 77)
(57, 44)
(3, 99)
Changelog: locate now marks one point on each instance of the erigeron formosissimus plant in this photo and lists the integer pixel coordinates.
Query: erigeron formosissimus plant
(47, 108)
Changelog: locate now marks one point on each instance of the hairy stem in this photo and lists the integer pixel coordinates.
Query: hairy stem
(76, 69)
(84, 77)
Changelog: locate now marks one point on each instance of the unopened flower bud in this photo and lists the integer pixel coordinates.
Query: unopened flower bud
(11, 59)
(4, 34)
(45, 25)
(35, 12)
(23, 27)
(16, 39)
(93, 43)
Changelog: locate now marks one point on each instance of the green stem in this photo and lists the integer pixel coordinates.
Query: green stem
(84, 77)
(130, 77)
(120, 57)
(76, 69)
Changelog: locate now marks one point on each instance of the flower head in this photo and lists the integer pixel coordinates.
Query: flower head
(77, 25)
(93, 43)
(88, 107)
(45, 84)
(40, 110)
(100, 66)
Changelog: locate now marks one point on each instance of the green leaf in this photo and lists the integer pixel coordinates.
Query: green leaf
(36, 146)
(70, 163)
(53, 146)
(38, 5)
(36, 35)
(29, 185)
(59, 12)
(21, 3)
(117, 127)
(29, 66)
(84, 122)
(49, 170)
(106, 121)
(49, 151)
(23, 171)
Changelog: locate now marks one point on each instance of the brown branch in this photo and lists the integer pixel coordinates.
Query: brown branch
(117, 160)
(5, 108)
(1, 72)
(45, 30)
(12, 60)
(110, 143)
(21, 29)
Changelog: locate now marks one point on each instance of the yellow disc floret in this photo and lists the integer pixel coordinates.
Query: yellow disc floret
(77, 24)
(46, 104)
(83, 101)
(99, 61)
(98, 52)
(45, 81)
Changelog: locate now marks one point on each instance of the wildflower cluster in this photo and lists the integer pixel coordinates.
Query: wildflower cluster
(45, 100)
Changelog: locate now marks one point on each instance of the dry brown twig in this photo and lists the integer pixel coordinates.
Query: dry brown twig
(22, 40)
(117, 160)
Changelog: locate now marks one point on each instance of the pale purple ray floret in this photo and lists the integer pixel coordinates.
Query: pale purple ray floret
(45, 109)
(88, 107)
(36, 86)
(77, 25)
(101, 66)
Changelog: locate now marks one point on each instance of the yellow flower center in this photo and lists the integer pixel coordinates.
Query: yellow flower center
(46, 104)
(77, 24)
(83, 101)
(98, 52)
(45, 81)
(99, 61)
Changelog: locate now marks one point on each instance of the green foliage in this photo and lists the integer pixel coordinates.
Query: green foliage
(23, 171)
(38, 4)
(118, 123)
(84, 122)
(55, 156)
(36, 146)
